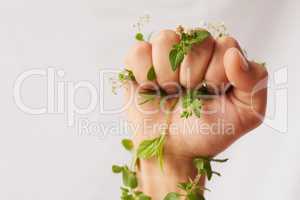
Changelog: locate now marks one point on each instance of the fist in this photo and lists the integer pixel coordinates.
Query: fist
(235, 105)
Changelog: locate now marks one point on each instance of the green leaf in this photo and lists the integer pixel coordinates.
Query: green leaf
(176, 57)
(185, 186)
(138, 193)
(186, 114)
(194, 195)
(127, 197)
(147, 149)
(203, 165)
(199, 164)
(152, 148)
(124, 190)
(143, 197)
(196, 106)
(129, 178)
(191, 196)
(147, 97)
(199, 36)
(130, 75)
(139, 37)
(187, 99)
(151, 75)
(126, 75)
(172, 196)
(117, 169)
(160, 153)
(208, 170)
(191, 104)
(127, 144)
(179, 50)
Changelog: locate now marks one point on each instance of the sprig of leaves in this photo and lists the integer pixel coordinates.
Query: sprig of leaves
(152, 148)
(129, 177)
(192, 101)
(129, 190)
(192, 190)
(203, 165)
(126, 75)
(191, 104)
(130, 181)
(179, 50)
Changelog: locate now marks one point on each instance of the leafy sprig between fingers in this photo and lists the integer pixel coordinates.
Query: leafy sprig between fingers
(126, 75)
(151, 75)
(188, 39)
(192, 101)
(191, 104)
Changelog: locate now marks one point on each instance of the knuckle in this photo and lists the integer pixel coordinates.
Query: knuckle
(166, 35)
(230, 41)
(141, 48)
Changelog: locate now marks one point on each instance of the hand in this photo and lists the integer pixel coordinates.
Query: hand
(225, 117)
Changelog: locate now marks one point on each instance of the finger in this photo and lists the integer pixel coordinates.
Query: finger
(195, 63)
(215, 75)
(249, 80)
(161, 47)
(139, 61)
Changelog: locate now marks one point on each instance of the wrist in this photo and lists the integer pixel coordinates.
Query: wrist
(157, 183)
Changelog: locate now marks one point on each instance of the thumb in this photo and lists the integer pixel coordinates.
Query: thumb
(243, 75)
(249, 79)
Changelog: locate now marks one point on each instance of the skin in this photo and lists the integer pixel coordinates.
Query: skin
(239, 106)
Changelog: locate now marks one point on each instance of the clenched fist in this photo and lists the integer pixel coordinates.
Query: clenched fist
(235, 104)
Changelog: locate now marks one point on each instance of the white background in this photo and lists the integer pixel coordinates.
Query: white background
(41, 158)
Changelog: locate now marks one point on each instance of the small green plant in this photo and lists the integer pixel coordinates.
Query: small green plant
(191, 104)
(192, 190)
(152, 148)
(126, 75)
(188, 39)
(203, 165)
(129, 190)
